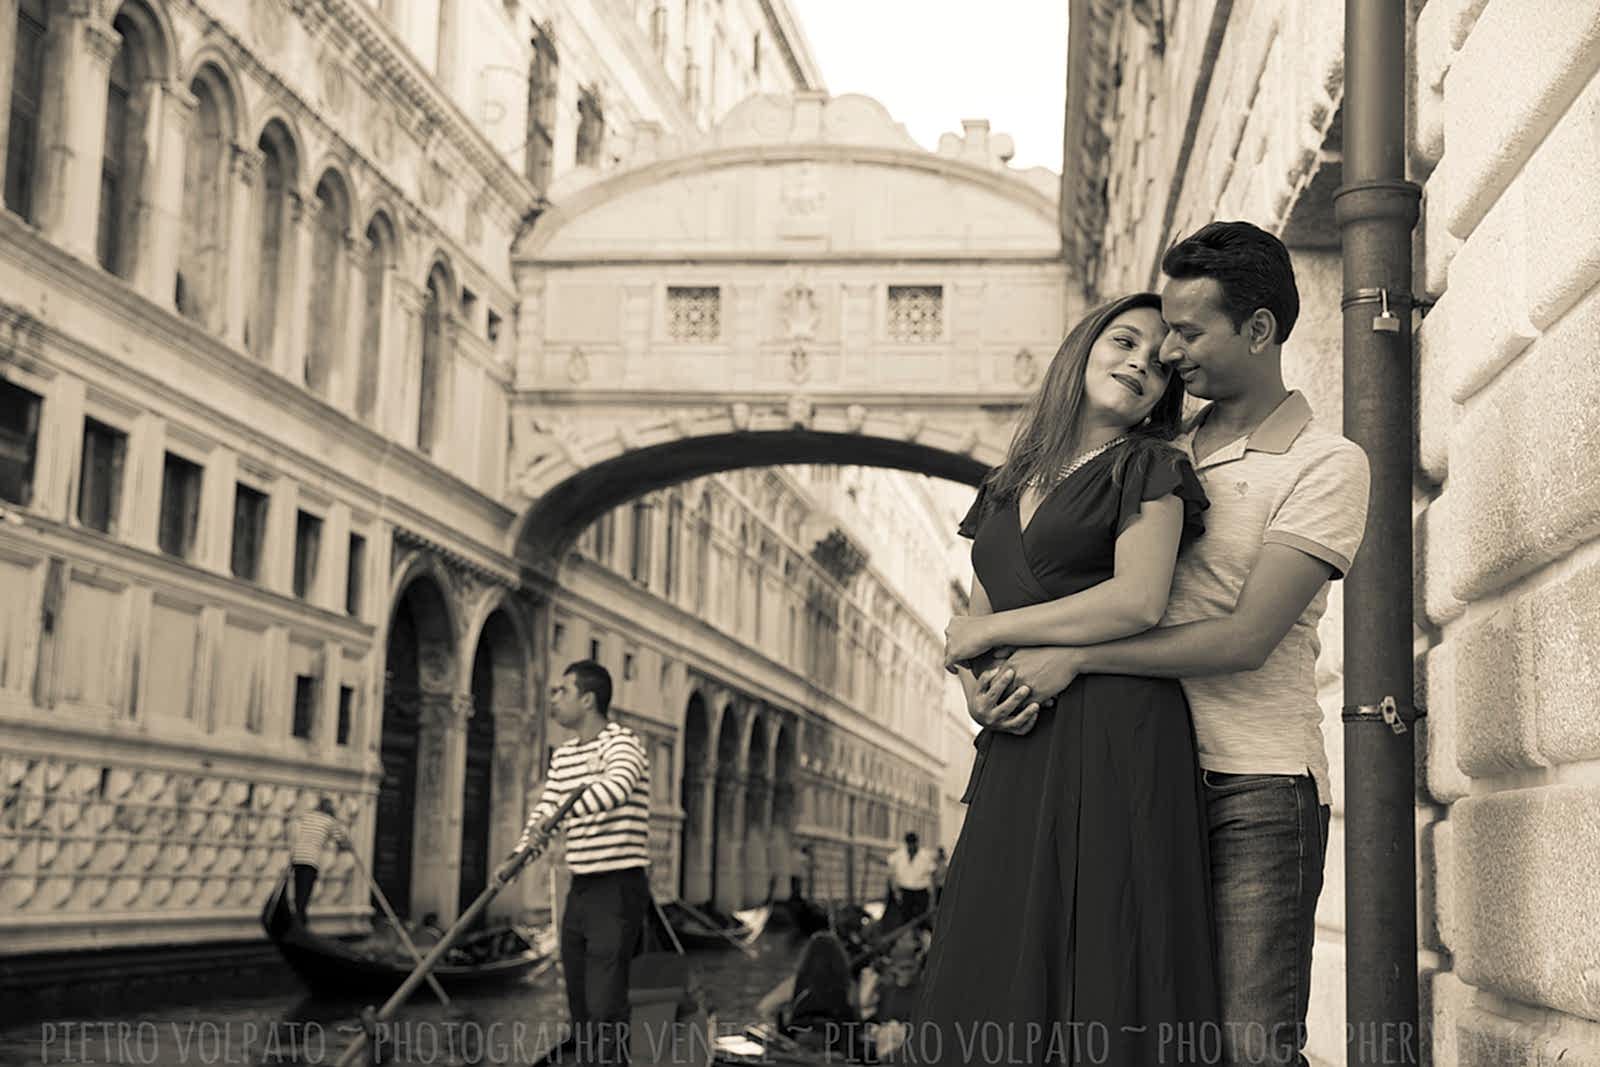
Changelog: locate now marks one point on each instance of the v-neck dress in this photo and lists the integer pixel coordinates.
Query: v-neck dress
(1075, 923)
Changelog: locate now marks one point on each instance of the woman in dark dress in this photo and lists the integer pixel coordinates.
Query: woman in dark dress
(1075, 923)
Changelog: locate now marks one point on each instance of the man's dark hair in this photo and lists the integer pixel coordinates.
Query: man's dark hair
(911, 837)
(589, 677)
(1250, 265)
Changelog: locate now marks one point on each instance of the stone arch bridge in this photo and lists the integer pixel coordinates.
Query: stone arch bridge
(807, 285)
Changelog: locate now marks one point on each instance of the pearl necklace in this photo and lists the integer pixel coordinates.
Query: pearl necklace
(1071, 466)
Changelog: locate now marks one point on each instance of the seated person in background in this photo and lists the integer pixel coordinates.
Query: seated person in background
(817, 1007)
(897, 981)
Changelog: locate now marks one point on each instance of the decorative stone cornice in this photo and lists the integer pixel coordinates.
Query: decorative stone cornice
(433, 110)
(1090, 93)
(408, 538)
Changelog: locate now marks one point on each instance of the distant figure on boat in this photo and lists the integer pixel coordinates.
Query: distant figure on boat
(910, 883)
(803, 865)
(608, 837)
(311, 833)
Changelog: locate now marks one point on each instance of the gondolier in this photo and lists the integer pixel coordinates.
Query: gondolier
(311, 833)
(607, 839)
(910, 881)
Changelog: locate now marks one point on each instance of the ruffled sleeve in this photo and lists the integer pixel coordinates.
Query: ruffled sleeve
(977, 513)
(1154, 473)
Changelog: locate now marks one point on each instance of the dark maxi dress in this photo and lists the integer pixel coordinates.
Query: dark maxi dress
(1075, 925)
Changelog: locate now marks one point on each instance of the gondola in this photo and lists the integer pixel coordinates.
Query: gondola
(705, 929)
(341, 968)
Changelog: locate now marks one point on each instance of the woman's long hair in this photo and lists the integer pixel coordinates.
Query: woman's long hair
(1047, 435)
(822, 983)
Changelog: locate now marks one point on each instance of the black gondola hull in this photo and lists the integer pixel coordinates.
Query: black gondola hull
(333, 968)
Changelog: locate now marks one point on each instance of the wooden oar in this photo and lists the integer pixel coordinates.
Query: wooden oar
(883, 941)
(503, 876)
(710, 924)
(399, 927)
(671, 933)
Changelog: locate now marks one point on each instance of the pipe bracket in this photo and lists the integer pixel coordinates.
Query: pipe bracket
(1388, 711)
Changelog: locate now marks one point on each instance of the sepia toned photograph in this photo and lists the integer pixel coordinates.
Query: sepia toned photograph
(798, 532)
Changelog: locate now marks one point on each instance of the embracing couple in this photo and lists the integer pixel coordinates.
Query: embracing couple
(1137, 877)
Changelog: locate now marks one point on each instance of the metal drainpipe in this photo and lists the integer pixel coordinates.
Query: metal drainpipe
(1376, 210)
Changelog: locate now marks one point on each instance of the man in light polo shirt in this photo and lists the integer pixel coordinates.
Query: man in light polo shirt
(1288, 507)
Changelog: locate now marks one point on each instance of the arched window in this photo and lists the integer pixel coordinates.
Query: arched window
(272, 202)
(380, 259)
(702, 567)
(121, 156)
(325, 317)
(672, 562)
(200, 287)
(433, 359)
(27, 93)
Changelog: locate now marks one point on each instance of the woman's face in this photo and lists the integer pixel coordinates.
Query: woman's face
(1125, 378)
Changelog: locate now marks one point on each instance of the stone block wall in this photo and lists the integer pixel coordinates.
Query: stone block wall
(1238, 109)
(1507, 141)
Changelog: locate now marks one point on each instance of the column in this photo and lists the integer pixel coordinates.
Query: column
(347, 364)
(143, 476)
(780, 840)
(158, 217)
(701, 791)
(445, 56)
(757, 862)
(515, 730)
(529, 339)
(217, 492)
(277, 556)
(244, 164)
(294, 287)
(447, 443)
(8, 50)
(441, 769)
(72, 126)
(729, 895)
(398, 401)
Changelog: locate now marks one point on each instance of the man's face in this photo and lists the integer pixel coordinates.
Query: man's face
(566, 703)
(1202, 347)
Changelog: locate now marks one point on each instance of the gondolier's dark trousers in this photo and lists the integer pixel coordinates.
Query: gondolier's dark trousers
(600, 933)
(305, 880)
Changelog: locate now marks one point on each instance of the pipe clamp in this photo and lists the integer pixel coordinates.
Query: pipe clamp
(1390, 711)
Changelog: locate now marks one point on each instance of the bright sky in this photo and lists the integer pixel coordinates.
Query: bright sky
(933, 63)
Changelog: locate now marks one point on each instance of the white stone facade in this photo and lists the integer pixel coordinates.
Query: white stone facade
(256, 367)
(1505, 119)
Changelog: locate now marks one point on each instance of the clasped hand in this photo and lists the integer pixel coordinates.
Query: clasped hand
(1015, 688)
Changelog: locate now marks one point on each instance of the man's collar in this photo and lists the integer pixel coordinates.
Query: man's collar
(1276, 432)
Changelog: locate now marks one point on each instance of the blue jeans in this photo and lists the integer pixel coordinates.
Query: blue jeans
(1269, 837)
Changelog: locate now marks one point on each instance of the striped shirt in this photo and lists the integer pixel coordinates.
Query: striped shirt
(311, 833)
(608, 829)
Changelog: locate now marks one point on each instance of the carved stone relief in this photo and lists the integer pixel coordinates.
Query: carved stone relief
(799, 312)
(1024, 367)
(335, 85)
(95, 836)
(578, 367)
(270, 22)
(383, 133)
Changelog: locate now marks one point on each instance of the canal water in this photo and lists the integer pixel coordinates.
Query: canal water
(509, 1025)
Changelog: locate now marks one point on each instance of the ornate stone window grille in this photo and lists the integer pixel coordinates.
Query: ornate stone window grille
(916, 313)
(694, 313)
